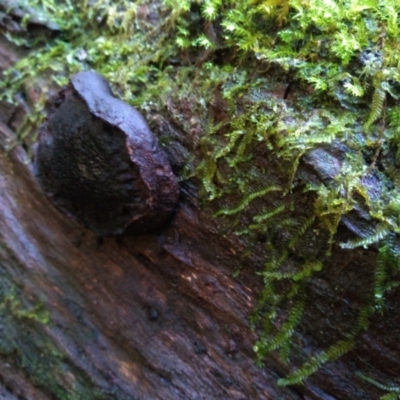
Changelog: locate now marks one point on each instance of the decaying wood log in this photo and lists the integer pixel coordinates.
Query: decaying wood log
(159, 315)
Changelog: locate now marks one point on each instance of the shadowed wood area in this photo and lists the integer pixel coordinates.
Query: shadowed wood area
(145, 317)
(160, 315)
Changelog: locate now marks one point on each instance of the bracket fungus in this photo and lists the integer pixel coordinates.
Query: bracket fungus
(98, 161)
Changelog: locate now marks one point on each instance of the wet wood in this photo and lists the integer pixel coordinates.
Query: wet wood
(160, 315)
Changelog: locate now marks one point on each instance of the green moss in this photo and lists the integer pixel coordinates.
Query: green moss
(29, 342)
(393, 391)
(218, 69)
(27, 348)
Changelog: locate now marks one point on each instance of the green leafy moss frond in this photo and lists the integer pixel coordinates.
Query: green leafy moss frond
(377, 104)
(380, 233)
(394, 390)
(332, 353)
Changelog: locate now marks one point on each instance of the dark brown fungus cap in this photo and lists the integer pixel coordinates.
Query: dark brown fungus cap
(98, 161)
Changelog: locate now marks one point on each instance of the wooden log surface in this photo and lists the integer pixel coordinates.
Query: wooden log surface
(160, 315)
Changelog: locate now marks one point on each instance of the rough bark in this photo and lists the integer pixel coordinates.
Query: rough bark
(160, 315)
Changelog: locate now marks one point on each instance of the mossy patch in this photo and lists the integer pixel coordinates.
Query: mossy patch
(256, 86)
(26, 346)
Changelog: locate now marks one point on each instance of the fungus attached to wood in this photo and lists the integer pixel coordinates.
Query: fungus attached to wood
(98, 161)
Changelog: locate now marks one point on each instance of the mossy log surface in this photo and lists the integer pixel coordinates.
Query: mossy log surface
(160, 316)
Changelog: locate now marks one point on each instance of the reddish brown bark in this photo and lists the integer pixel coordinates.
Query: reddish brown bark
(158, 316)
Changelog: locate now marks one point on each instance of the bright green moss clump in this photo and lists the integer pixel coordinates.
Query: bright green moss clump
(218, 68)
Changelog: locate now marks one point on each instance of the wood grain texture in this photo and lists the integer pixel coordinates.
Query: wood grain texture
(159, 316)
